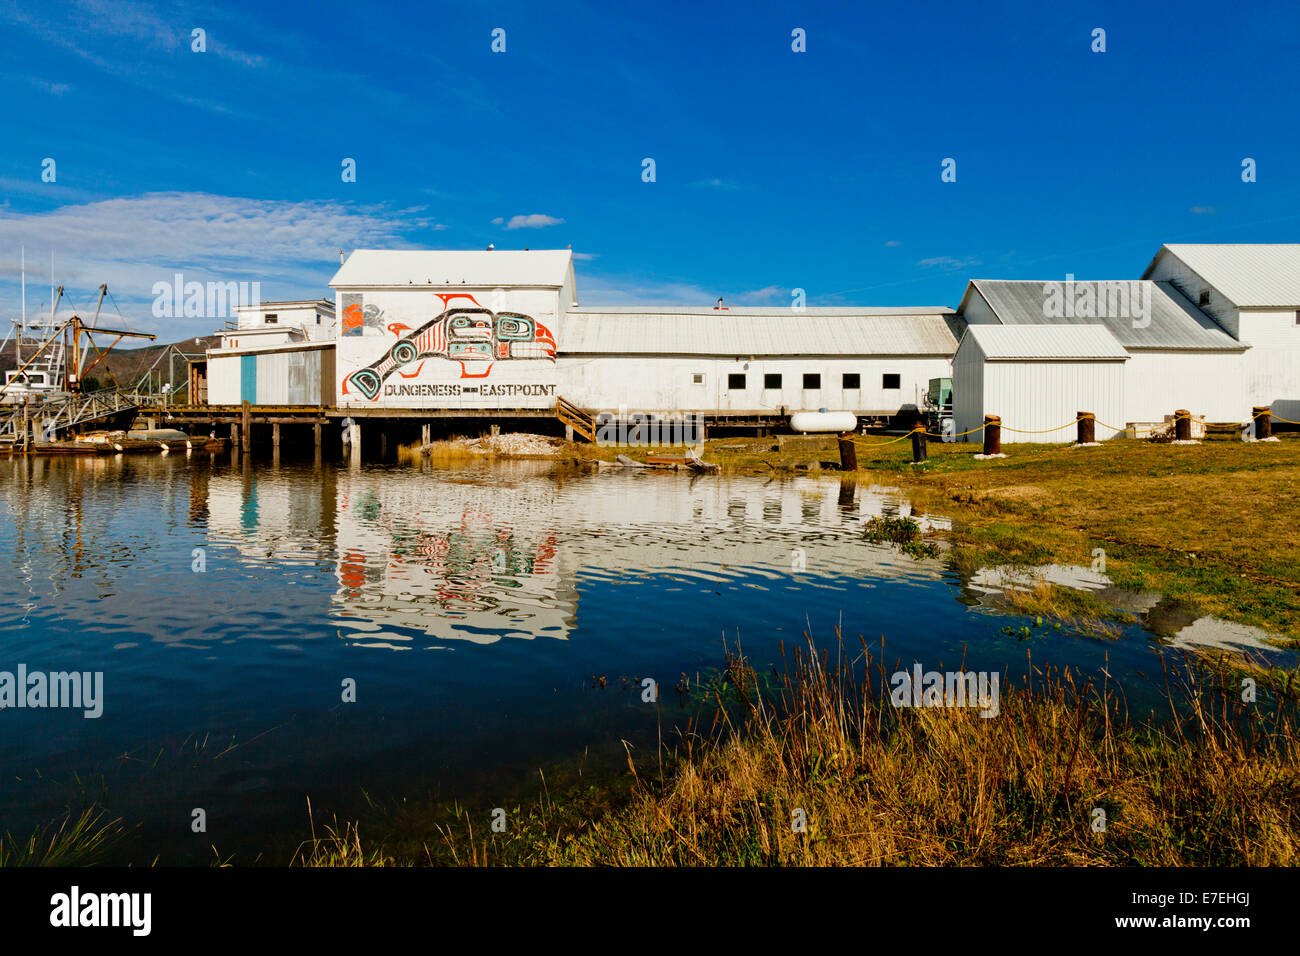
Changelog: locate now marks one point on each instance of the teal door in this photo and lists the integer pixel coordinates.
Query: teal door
(248, 379)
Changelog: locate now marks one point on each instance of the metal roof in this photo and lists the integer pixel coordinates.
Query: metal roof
(1252, 275)
(757, 332)
(1175, 322)
(369, 268)
(1045, 342)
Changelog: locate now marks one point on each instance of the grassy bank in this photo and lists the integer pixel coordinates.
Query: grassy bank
(1211, 526)
(814, 768)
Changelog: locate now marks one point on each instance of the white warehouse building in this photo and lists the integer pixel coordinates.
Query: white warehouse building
(1179, 356)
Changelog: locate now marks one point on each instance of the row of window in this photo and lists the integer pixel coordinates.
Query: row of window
(811, 380)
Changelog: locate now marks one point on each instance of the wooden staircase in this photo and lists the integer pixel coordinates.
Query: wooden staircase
(574, 417)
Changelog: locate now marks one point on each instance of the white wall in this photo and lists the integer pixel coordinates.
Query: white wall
(314, 321)
(1271, 367)
(1208, 384)
(1170, 268)
(1034, 395)
(665, 383)
(223, 379)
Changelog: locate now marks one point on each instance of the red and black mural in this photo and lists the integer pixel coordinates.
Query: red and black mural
(472, 335)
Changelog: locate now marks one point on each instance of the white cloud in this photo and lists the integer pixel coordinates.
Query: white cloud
(497, 221)
(535, 220)
(725, 185)
(585, 256)
(131, 243)
(948, 263)
(1203, 210)
(892, 243)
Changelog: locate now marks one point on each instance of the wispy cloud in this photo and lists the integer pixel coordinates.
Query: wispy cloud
(131, 243)
(534, 220)
(892, 243)
(1203, 210)
(723, 185)
(948, 263)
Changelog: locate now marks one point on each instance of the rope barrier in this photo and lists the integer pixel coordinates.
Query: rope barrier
(1133, 430)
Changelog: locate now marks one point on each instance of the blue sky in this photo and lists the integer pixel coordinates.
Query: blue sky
(774, 169)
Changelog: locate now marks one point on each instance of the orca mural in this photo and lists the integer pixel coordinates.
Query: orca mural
(472, 335)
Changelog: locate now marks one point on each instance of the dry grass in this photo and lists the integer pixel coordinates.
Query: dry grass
(1214, 782)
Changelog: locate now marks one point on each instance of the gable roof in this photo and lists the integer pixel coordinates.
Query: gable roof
(1252, 275)
(393, 268)
(758, 332)
(1175, 322)
(1045, 342)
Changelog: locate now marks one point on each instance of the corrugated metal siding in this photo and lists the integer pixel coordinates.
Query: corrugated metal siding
(1030, 342)
(1248, 274)
(1175, 322)
(1209, 384)
(1032, 396)
(224, 379)
(968, 387)
(665, 384)
(787, 333)
(248, 378)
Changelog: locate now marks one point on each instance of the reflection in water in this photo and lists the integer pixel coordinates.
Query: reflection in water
(225, 602)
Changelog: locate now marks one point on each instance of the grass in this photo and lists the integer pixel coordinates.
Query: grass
(1210, 525)
(821, 769)
(80, 839)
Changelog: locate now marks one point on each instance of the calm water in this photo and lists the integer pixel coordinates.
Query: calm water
(472, 608)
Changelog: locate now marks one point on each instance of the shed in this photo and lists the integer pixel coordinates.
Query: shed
(1038, 377)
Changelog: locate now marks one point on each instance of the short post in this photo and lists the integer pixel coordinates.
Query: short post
(1087, 428)
(246, 428)
(992, 434)
(234, 436)
(354, 441)
(1263, 415)
(848, 453)
(495, 430)
(1182, 425)
(275, 434)
(424, 434)
(315, 434)
(568, 433)
(919, 450)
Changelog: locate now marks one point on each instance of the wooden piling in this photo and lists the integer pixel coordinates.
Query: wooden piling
(1087, 433)
(315, 434)
(275, 435)
(1182, 425)
(246, 426)
(992, 434)
(919, 449)
(425, 433)
(1263, 415)
(848, 453)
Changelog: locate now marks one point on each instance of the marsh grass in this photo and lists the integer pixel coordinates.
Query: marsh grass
(1206, 781)
(79, 839)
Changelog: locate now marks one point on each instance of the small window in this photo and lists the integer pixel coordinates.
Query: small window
(852, 380)
(318, 319)
(891, 380)
(772, 380)
(812, 380)
(735, 380)
(1204, 298)
(1297, 318)
(697, 378)
(272, 318)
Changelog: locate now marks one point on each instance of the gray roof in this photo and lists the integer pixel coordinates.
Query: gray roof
(758, 332)
(387, 268)
(1252, 275)
(1175, 323)
(1008, 342)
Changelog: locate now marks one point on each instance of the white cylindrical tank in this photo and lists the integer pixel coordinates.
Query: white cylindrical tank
(824, 421)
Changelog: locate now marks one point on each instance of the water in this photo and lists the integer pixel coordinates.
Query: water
(472, 608)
